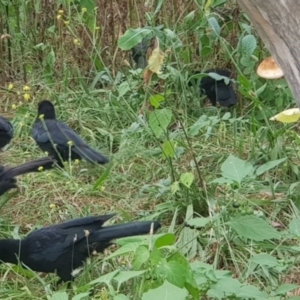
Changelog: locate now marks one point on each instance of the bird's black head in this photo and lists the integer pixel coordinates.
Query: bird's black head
(46, 108)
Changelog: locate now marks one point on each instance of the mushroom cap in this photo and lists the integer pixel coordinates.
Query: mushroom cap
(269, 69)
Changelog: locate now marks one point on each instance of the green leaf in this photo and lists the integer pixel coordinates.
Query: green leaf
(294, 227)
(236, 169)
(168, 149)
(199, 222)
(212, 21)
(81, 296)
(104, 175)
(105, 278)
(268, 166)
(159, 120)
(156, 100)
(264, 259)
(123, 250)
(254, 228)
(224, 287)
(174, 187)
(167, 291)
(166, 239)
(248, 44)
(141, 256)
(187, 179)
(132, 37)
(285, 288)
(261, 89)
(173, 271)
(59, 296)
(123, 276)
(121, 297)
(251, 292)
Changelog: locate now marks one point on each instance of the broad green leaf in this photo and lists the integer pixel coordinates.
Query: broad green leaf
(251, 292)
(156, 100)
(294, 227)
(254, 228)
(268, 166)
(261, 89)
(236, 169)
(121, 297)
(159, 121)
(248, 44)
(81, 296)
(173, 271)
(287, 116)
(199, 222)
(132, 37)
(168, 149)
(141, 256)
(59, 296)
(224, 287)
(123, 250)
(167, 291)
(264, 259)
(175, 187)
(212, 21)
(243, 81)
(285, 288)
(187, 179)
(166, 239)
(124, 276)
(105, 278)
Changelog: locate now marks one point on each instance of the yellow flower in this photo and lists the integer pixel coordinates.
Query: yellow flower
(41, 168)
(61, 12)
(52, 205)
(58, 17)
(26, 88)
(97, 27)
(10, 86)
(14, 106)
(67, 23)
(76, 42)
(21, 124)
(70, 143)
(26, 96)
(102, 188)
(76, 161)
(84, 10)
(41, 116)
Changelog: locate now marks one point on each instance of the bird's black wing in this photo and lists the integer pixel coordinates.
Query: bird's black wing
(225, 94)
(6, 126)
(53, 241)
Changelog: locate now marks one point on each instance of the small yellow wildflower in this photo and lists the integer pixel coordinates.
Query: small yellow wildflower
(41, 116)
(76, 161)
(26, 88)
(14, 106)
(21, 124)
(70, 143)
(76, 42)
(67, 23)
(58, 17)
(41, 168)
(26, 96)
(97, 27)
(10, 86)
(102, 188)
(84, 10)
(61, 12)
(52, 206)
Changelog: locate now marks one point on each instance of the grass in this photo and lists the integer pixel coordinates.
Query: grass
(113, 117)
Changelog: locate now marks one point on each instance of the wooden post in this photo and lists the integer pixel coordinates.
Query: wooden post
(278, 24)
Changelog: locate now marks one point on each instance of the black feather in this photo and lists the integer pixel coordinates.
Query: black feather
(6, 132)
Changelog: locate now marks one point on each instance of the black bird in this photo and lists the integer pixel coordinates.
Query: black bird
(217, 90)
(139, 53)
(7, 176)
(6, 131)
(64, 247)
(59, 140)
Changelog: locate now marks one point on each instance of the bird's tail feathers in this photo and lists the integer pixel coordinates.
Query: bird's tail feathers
(91, 155)
(44, 163)
(108, 233)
